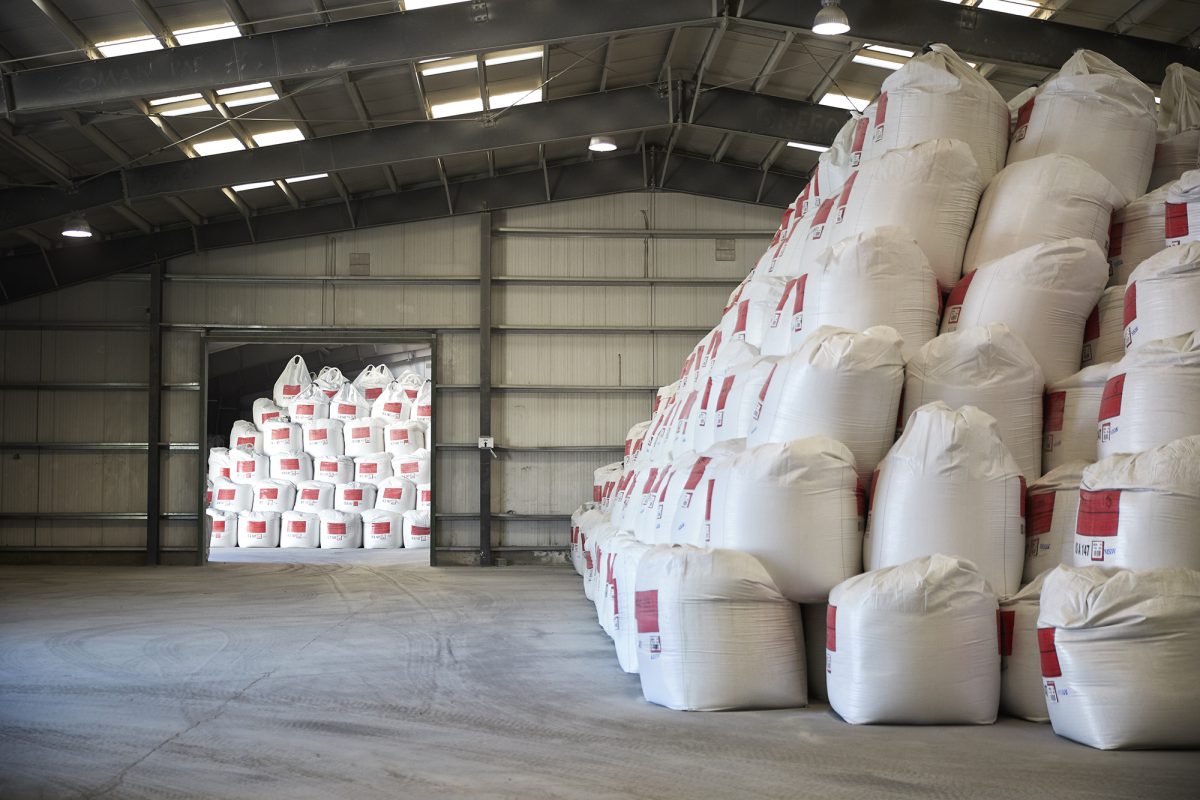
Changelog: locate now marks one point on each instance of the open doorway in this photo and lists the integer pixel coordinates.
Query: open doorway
(318, 447)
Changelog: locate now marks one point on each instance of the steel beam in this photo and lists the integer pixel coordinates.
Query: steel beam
(485, 387)
(154, 418)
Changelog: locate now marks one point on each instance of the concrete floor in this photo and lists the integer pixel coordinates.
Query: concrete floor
(362, 677)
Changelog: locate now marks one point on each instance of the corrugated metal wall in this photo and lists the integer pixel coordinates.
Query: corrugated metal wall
(582, 333)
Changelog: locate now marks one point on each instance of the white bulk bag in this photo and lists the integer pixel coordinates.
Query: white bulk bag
(1183, 211)
(264, 410)
(842, 158)
(628, 554)
(729, 412)
(249, 467)
(374, 468)
(300, 529)
(1162, 298)
(232, 497)
(798, 508)
(604, 481)
(655, 515)
(218, 463)
(293, 380)
(634, 440)
(314, 496)
(402, 438)
(1069, 417)
(423, 404)
(372, 381)
(293, 467)
(604, 590)
(1119, 654)
(340, 530)
(222, 528)
(1096, 111)
(1021, 693)
(879, 277)
(258, 529)
(692, 513)
(1178, 125)
(1104, 332)
(989, 368)
(392, 405)
(410, 383)
(282, 437)
(363, 436)
(323, 437)
(333, 469)
(278, 496)
(396, 494)
(932, 189)
(1051, 513)
(416, 529)
(310, 404)
(244, 435)
(840, 384)
(348, 404)
(949, 486)
(1138, 231)
(714, 633)
(576, 550)
(1041, 200)
(683, 430)
(1174, 156)
(424, 496)
(414, 466)
(1152, 397)
(749, 320)
(937, 95)
(618, 505)
(914, 644)
(382, 529)
(354, 497)
(1141, 511)
(712, 424)
(329, 380)
(1044, 295)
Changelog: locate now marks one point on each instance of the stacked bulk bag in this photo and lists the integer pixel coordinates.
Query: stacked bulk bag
(264, 410)
(340, 530)
(248, 467)
(1069, 416)
(423, 405)
(300, 529)
(414, 466)
(292, 381)
(914, 644)
(382, 529)
(354, 496)
(1119, 653)
(937, 95)
(1178, 126)
(374, 468)
(1052, 510)
(219, 465)
(348, 404)
(272, 495)
(1096, 111)
(281, 437)
(363, 436)
(323, 437)
(1138, 231)
(837, 163)
(714, 633)
(840, 384)
(1021, 693)
(992, 369)
(314, 496)
(258, 529)
(1141, 511)
(1162, 298)
(692, 513)
(576, 524)
(950, 486)
(730, 402)
(243, 435)
(1044, 294)
(749, 319)
(798, 508)
(371, 382)
(293, 467)
(1104, 333)
(629, 555)
(931, 189)
(402, 438)
(334, 469)
(310, 404)
(712, 423)
(329, 380)
(424, 496)
(396, 494)
(232, 497)
(392, 404)
(1041, 200)
(222, 528)
(634, 441)
(604, 480)
(416, 529)
(1152, 397)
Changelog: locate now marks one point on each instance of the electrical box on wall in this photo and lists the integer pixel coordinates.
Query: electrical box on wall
(486, 442)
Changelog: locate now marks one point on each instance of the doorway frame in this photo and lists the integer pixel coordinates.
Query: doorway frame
(269, 334)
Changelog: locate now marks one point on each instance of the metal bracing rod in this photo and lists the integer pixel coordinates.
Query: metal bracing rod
(607, 60)
(829, 79)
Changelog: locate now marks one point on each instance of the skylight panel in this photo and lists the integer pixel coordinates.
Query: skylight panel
(510, 56)
(520, 98)
(1018, 7)
(302, 178)
(441, 66)
(456, 107)
(134, 44)
(207, 33)
(816, 148)
(413, 5)
(249, 87)
(278, 137)
(215, 146)
(244, 187)
(835, 100)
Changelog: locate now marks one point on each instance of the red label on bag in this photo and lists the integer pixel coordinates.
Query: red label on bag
(1024, 494)
(424, 411)
(1099, 513)
(427, 495)
(844, 196)
(347, 408)
(739, 327)
(289, 464)
(798, 297)
(1024, 113)
(218, 526)
(268, 494)
(419, 531)
(1175, 217)
(329, 466)
(245, 441)
(881, 109)
(645, 611)
(1041, 513)
(226, 494)
(297, 526)
(1110, 401)
(1047, 653)
(393, 408)
(368, 468)
(329, 392)
(860, 138)
(723, 395)
(246, 466)
(224, 472)
(318, 434)
(697, 473)
(401, 435)
(255, 526)
(1054, 406)
(304, 410)
(413, 466)
(860, 497)
(1091, 328)
(650, 480)
(310, 494)
(360, 433)
(378, 528)
(831, 628)
(280, 433)
(595, 491)
(411, 394)
(353, 494)
(1116, 239)
(1130, 303)
(373, 392)
(393, 493)
(1006, 621)
(270, 415)
(957, 295)
(291, 390)
(336, 528)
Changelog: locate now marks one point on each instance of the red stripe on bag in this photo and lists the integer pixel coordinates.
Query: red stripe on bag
(1053, 408)
(1116, 238)
(860, 138)
(1131, 303)
(218, 526)
(1024, 113)
(1048, 654)
(787, 290)
(1024, 492)
(957, 295)
(798, 298)
(844, 196)
(1099, 513)
(1175, 218)
(1110, 401)
(881, 109)
(1041, 513)
(645, 605)
(1006, 621)
(697, 473)
(831, 628)
(860, 497)
(1091, 328)
(726, 386)
(739, 327)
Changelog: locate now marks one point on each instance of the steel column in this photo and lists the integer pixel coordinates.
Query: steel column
(154, 419)
(485, 387)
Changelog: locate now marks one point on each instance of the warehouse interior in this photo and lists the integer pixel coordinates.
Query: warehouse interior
(528, 266)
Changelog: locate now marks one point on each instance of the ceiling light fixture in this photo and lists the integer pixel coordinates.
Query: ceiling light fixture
(830, 20)
(77, 228)
(602, 144)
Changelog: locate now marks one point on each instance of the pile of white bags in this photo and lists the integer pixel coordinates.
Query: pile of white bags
(1069, 417)
(1178, 149)
(1139, 230)
(949, 486)
(1104, 332)
(291, 382)
(222, 528)
(263, 410)
(1051, 513)
(314, 496)
(1021, 693)
(382, 529)
(1162, 298)
(270, 495)
(258, 529)
(1152, 397)
(231, 496)
(340, 530)
(244, 436)
(293, 467)
(1119, 652)
(300, 529)
(714, 633)
(416, 529)
(914, 644)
